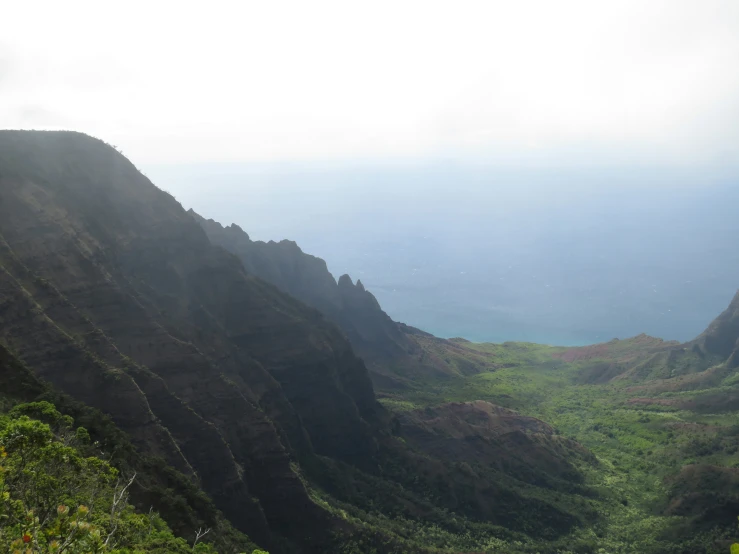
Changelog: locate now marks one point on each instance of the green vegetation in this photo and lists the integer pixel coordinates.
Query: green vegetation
(168, 498)
(58, 495)
(641, 434)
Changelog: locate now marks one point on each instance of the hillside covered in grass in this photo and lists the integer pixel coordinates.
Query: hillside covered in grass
(660, 418)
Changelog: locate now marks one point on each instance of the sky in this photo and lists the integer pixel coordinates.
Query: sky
(527, 82)
(482, 157)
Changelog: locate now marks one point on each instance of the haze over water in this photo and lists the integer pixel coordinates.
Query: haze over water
(557, 256)
(561, 172)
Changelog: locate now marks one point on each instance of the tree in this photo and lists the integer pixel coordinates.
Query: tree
(56, 497)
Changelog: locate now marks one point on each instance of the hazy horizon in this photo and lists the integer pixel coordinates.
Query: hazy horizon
(555, 256)
(529, 170)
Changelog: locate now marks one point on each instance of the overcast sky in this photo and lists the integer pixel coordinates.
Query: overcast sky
(173, 82)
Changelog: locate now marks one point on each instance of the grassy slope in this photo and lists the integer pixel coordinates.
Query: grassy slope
(642, 435)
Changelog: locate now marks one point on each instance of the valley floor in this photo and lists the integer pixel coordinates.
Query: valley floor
(642, 435)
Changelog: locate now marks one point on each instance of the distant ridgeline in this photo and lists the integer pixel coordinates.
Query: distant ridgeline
(258, 401)
(390, 349)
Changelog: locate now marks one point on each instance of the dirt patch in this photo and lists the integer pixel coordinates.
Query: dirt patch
(654, 401)
(583, 353)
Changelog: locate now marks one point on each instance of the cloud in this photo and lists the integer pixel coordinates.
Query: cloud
(481, 80)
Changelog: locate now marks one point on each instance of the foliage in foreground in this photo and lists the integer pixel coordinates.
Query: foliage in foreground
(58, 496)
(177, 499)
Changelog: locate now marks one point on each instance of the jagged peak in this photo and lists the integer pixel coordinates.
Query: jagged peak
(345, 281)
(233, 228)
(237, 229)
(290, 244)
(200, 218)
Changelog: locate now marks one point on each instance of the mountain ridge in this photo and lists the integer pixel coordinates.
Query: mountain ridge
(115, 295)
(106, 289)
(391, 350)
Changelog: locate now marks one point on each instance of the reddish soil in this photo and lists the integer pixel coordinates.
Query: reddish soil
(583, 353)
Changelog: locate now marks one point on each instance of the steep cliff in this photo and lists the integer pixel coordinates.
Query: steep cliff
(111, 292)
(175, 496)
(355, 310)
(394, 353)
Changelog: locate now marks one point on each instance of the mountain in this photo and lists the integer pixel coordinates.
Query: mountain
(355, 310)
(703, 361)
(394, 352)
(721, 339)
(659, 416)
(112, 293)
(115, 296)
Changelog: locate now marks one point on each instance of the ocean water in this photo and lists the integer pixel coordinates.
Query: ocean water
(556, 256)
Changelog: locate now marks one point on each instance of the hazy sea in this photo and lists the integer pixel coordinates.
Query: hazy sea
(552, 256)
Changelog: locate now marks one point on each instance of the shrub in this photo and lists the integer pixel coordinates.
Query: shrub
(55, 498)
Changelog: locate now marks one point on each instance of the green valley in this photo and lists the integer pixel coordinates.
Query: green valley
(665, 472)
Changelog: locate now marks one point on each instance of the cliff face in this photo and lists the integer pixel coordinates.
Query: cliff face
(394, 353)
(16, 381)
(355, 310)
(114, 294)
(174, 495)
